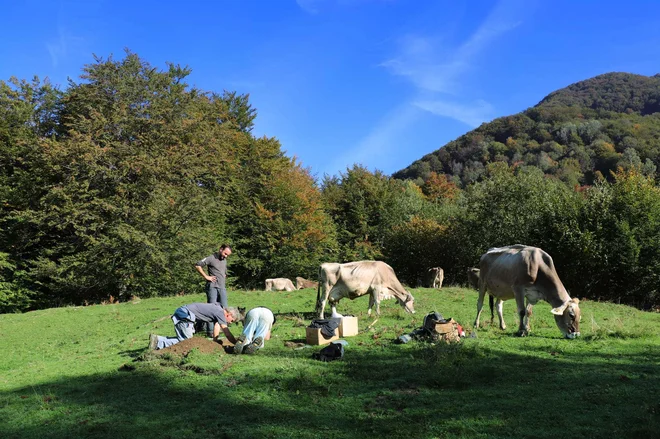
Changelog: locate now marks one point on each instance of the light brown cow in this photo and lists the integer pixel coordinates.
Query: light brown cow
(279, 284)
(301, 283)
(524, 272)
(355, 279)
(434, 277)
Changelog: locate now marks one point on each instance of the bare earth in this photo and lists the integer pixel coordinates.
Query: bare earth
(203, 345)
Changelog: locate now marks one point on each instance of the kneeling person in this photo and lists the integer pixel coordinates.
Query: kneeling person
(256, 329)
(184, 319)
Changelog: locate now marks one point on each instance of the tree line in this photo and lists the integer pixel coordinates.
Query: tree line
(115, 186)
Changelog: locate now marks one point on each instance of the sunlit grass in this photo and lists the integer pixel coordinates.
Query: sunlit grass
(84, 372)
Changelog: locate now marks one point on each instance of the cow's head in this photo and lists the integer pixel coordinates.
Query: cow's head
(568, 318)
(407, 303)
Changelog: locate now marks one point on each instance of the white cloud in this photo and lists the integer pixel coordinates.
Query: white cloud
(472, 115)
(309, 6)
(375, 147)
(434, 67)
(62, 46)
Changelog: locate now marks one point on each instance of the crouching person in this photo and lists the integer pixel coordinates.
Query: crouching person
(256, 329)
(184, 319)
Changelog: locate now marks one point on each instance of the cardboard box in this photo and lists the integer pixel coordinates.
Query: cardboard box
(314, 336)
(348, 326)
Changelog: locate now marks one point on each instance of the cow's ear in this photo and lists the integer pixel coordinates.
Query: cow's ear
(559, 310)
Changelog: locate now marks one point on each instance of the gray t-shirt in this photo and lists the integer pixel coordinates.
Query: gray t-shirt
(216, 267)
(208, 312)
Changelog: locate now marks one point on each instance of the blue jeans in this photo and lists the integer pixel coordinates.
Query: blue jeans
(184, 330)
(212, 295)
(258, 322)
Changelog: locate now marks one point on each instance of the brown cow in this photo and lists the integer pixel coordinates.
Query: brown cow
(301, 283)
(524, 272)
(356, 279)
(434, 277)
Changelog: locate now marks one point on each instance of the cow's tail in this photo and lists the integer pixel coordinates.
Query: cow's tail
(490, 303)
(318, 295)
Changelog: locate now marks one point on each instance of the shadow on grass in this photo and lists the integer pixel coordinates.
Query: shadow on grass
(414, 390)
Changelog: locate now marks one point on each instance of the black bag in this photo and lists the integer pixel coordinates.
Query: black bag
(333, 351)
(430, 320)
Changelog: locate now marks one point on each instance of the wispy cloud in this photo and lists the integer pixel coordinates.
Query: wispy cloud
(309, 6)
(61, 46)
(434, 67)
(473, 114)
(375, 147)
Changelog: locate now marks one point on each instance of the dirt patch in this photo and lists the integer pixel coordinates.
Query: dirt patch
(203, 345)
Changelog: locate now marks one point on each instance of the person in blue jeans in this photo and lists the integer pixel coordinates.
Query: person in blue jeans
(184, 319)
(216, 290)
(256, 329)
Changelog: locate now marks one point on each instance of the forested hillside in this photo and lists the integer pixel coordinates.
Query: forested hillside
(113, 187)
(576, 134)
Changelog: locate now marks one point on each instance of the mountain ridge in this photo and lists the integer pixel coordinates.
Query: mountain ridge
(577, 133)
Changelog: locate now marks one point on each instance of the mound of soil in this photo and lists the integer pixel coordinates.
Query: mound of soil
(203, 345)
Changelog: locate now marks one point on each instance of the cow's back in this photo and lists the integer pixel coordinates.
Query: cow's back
(359, 277)
(502, 268)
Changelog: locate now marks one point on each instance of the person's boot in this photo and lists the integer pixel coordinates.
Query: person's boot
(153, 342)
(254, 346)
(239, 346)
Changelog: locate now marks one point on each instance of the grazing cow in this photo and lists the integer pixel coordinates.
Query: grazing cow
(279, 284)
(434, 277)
(473, 280)
(301, 283)
(523, 272)
(356, 279)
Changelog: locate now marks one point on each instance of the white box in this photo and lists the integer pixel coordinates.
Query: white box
(348, 326)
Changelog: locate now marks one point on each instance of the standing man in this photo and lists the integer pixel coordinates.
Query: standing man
(184, 319)
(216, 277)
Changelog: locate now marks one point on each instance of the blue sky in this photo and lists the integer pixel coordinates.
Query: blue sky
(338, 82)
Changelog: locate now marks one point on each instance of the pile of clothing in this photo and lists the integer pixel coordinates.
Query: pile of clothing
(435, 328)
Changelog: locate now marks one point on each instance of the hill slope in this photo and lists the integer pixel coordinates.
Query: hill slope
(574, 133)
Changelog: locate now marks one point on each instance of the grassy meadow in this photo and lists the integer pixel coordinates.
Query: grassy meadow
(80, 372)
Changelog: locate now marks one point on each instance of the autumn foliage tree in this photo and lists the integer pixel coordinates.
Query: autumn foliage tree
(116, 185)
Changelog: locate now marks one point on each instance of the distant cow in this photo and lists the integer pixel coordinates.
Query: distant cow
(301, 283)
(523, 272)
(279, 284)
(356, 279)
(434, 277)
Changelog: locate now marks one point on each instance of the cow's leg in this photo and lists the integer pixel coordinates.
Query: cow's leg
(480, 302)
(528, 315)
(519, 293)
(325, 292)
(333, 299)
(499, 305)
(372, 301)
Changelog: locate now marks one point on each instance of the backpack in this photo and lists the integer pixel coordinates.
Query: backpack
(333, 351)
(430, 320)
(441, 329)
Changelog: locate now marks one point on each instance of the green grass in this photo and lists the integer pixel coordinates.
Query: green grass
(83, 372)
